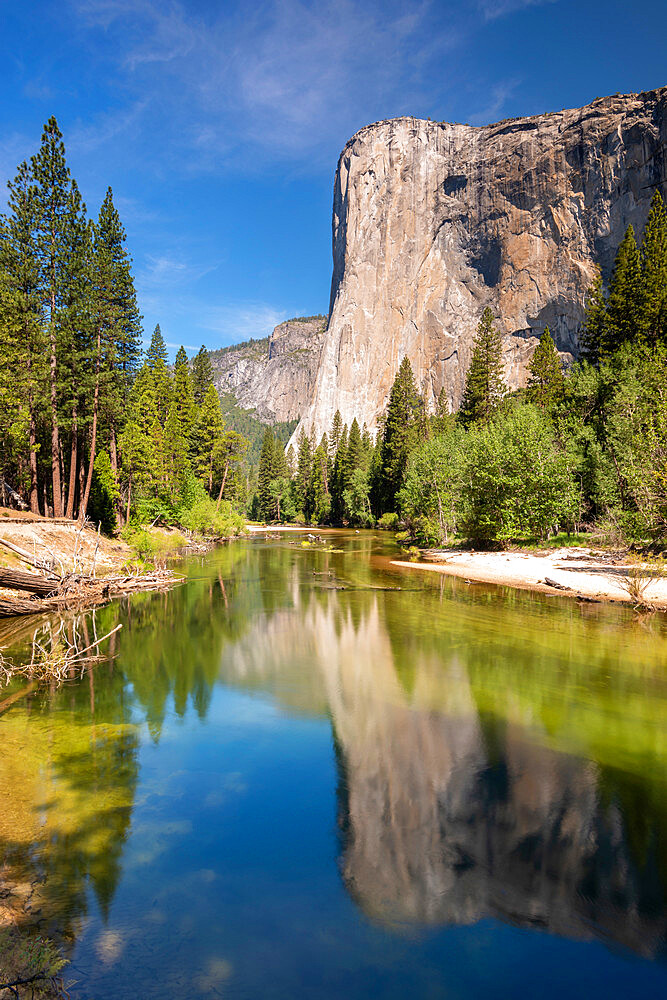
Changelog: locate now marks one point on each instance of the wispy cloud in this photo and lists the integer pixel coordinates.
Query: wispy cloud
(493, 110)
(284, 79)
(242, 320)
(493, 9)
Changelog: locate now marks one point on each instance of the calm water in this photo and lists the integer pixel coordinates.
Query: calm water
(305, 774)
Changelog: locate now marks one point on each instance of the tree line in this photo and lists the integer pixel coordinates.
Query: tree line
(89, 425)
(575, 448)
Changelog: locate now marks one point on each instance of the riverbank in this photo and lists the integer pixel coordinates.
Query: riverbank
(570, 572)
(55, 565)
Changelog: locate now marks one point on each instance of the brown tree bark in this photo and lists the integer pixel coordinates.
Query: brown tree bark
(73, 463)
(83, 506)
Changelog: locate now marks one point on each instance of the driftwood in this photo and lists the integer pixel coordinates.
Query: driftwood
(80, 592)
(16, 579)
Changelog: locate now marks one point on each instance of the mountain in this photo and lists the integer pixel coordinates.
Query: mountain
(433, 221)
(274, 376)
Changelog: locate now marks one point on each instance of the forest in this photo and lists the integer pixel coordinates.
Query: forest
(90, 425)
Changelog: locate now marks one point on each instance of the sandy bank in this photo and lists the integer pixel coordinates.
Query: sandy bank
(59, 543)
(577, 571)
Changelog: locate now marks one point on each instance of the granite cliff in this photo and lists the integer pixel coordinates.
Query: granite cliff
(433, 221)
(274, 376)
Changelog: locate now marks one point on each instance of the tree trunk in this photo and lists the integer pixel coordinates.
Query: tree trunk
(222, 484)
(113, 455)
(55, 431)
(32, 436)
(14, 579)
(73, 462)
(129, 496)
(93, 436)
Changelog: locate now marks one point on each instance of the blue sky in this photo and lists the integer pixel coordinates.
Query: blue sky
(219, 124)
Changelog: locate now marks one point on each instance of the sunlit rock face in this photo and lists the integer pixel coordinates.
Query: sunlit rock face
(432, 222)
(276, 378)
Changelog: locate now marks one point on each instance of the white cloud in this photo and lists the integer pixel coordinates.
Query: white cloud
(493, 9)
(492, 111)
(242, 320)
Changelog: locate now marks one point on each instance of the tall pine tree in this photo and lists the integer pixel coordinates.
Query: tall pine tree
(485, 380)
(400, 433)
(546, 383)
(654, 274)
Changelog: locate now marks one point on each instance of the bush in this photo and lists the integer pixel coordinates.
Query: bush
(206, 518)
(516, 480)
(388, 521)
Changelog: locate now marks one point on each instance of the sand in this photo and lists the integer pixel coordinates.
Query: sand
(579, 572)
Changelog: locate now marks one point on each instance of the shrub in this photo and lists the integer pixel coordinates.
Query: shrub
(388, 521)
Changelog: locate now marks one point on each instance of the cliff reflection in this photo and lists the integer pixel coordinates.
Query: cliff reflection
(479, 770)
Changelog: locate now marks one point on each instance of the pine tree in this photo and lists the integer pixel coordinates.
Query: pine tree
(624, 307)
(338, 477)
(157, 353)
(336, 431)
(302, 478)
(206, 437)
(202, 374)
(546, 383)
(595, 332)
(20, 322)
(319, 487)
(400, 432)
(52, 191)
(654, 274)
(485, 380)
(355, 452)
(156, 359)
(265, 474)
(116, 328)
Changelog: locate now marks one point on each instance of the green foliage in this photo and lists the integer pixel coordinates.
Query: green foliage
(400, 433)
(104, 495)
(389, 521)
(431, 495)
(546, 383)
(485, 381)
(205, 517)
(516, 479)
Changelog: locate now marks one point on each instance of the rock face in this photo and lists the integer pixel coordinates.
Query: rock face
(274, 376)
(432, 222)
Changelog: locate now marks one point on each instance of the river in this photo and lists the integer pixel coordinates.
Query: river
(305, 773)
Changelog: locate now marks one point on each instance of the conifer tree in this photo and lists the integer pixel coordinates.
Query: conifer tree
(202, 374)
(319, 487)
(654, 274)
(338, 476)
(400, 432)
(355, 452)
(485, 380)
(20, 321)
(336, 431)
(115, 321)
(156, 359)
(157, 352)
(546, 383)
(624, 307)
(265, 474)
(595, 334)
(206, 436)
(52, 192)
(303, 470)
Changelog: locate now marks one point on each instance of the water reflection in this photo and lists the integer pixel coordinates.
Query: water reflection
(466, 787)
(497, 755)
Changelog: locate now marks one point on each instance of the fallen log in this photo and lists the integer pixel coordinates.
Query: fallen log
(16, 579)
